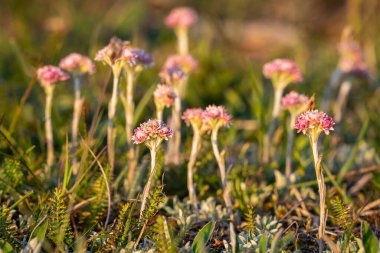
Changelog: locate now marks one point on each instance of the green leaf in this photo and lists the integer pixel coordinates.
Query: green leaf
(199, 243)
(263, 244)
(371, 245)
(6, 247)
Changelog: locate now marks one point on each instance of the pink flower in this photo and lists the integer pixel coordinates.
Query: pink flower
(351, 55)
(112, 52)
(193, 116)
(172, 75)
(295, 102)
(216, 116)
(77, 63)
(138, 58)
(181, 17)
(164, 95)
(314, 120)
(186, 62)
(152, 130)
(51, 74)
(282, 72)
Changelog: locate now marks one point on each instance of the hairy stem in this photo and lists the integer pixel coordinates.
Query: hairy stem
(153, 168)
(321, 188)
(111, 134)
(174, 145)
(273, 124)
(129, 108)
(49, 90)
(183, 40)
(289, 146)
(223, 172)
(159, 112)
(78, 102)
(190, 168)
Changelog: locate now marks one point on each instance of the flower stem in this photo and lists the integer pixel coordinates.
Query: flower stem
(49, 90)
(273, 124)
(223, 172)
(289, 146)
(153, 168)
(78, 102)
(111, 134)
(173, 154)
(342, 100)
(159, 113)
(321, 188)
(190, 168)
(183, 40)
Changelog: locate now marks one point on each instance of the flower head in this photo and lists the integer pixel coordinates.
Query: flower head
(140, 59)
(172, 75)
(186, 62)
(216, 116)
(152, 133)
(164, 96)
(50, 74)
(295, 102)
(181, 17)
(193, 117)
(351, 55)
(77, 64)
(282, 72)
(315, 121)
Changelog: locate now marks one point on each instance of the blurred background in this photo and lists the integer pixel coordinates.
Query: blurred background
(232, 40)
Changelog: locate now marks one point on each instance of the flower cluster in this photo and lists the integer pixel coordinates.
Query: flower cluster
(351, 55)
(117, 52)
(186, 62)
(140, 59)
(314, 120)
(182, 17)
(295, 102)
(172, 75)
(77, 64)
(194, 117)
(164, 95)
(282, 72)
(51, 74)
(216, 116)
(152, 130)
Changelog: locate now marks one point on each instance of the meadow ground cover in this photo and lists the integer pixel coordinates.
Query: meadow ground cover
(151, 127)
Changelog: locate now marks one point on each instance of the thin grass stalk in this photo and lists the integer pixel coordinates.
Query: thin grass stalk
(153, 167)
(78, 102)
(289, 146)
(223, 172)
(332, 84)
(190, 169)
(111, 133)
(321, 189)
(49, 90)
(344, 91)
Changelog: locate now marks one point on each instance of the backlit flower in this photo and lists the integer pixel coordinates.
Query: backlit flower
(295, 102)
(186, 62)
(138, 59)
(216, 116)
(50, 74)
(164, 95)
(315, 121)
(351, 55)
(182, 17)
(77, 63)
(194, 117)
(282, 72)
(152, 133)
(172, 75)
(116, 53)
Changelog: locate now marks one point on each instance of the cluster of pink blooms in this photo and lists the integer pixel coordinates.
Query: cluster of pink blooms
(77, 64)
(117, 52)
(194, 117)
(314, 120)
(172, 75)
(186, 62)
(164, 95)
(140, 58)
(50, 74)
(181, 17)
(216, 116)
(151, 130)
(282, 70)
(294, 101)
(352, 58)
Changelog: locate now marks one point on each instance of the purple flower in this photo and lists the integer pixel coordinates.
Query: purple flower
(186, 62)
(152, 130)
(172, 75)
(314, 120)
(216, 116)
(295, 102)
